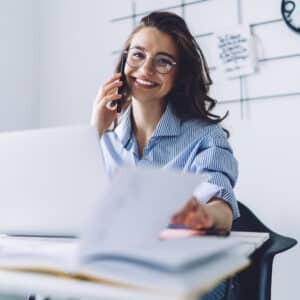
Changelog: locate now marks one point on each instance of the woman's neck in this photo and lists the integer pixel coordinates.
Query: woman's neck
(145, 117)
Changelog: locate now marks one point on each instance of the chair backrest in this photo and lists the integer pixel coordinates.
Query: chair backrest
(255, 281)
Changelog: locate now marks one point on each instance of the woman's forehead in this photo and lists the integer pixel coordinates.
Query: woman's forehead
(153, 40)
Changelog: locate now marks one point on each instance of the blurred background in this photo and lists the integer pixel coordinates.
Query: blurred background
(54, 54)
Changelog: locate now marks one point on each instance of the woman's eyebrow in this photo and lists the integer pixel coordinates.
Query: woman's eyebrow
(167, 54)
(138, 47)
(158, 53)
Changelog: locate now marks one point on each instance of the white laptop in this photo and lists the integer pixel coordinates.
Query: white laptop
(50, 180)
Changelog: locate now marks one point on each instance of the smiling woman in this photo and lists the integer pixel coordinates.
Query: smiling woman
(167, 120)
(150, 67)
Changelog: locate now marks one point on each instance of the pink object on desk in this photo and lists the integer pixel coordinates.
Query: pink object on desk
(169, 234)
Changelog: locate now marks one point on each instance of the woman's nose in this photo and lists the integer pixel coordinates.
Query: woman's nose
(148, 67)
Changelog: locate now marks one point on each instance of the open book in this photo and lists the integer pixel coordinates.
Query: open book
(121, 245)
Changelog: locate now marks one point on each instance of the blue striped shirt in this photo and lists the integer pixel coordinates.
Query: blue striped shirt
(191, 146)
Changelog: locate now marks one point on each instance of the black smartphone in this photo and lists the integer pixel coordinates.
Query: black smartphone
(122, 88)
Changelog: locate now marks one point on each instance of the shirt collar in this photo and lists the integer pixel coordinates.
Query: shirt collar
(168, 125)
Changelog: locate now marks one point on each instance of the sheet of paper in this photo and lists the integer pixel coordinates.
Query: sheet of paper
(234, 51)
(137, 208)
(53, 254)
(189, 283)
(172, 255)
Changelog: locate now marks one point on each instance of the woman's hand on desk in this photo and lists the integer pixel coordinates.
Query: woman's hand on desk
(216, 214)
(104, 109)
(193, 215)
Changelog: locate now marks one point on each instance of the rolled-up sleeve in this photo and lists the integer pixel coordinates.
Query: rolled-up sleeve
(215, 159)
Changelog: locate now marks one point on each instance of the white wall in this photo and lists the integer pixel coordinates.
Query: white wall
(74, 48)
(267, 146)
(75, 58)
(19, 84)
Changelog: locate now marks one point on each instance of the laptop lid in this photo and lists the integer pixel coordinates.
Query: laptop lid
(50, 180)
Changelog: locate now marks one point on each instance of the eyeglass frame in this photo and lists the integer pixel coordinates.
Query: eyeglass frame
(173, 63)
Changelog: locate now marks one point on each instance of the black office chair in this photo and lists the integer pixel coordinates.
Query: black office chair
(254, 283)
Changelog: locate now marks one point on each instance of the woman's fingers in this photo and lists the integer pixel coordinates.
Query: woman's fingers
(111, 88)
(200, 219)
(104, 107)
(193, 215)
(107, 101)
(113, 78)
(189, 207)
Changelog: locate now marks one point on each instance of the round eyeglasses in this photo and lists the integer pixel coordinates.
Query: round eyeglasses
(162, 63)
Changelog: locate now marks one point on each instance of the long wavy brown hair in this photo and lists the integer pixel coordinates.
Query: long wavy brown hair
(189, 96)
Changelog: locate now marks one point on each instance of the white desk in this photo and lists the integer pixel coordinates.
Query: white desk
(27, 283)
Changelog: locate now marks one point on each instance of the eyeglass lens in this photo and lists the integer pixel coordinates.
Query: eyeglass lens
(162, 63)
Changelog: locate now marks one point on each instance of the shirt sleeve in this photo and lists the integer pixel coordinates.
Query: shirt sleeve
(215, 159)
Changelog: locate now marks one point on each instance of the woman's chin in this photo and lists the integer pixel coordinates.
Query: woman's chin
(142, 98)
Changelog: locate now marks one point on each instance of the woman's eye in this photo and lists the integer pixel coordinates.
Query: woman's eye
(164, 61)
(138, 55)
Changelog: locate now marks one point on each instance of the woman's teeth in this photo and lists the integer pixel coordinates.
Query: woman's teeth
(144, 82)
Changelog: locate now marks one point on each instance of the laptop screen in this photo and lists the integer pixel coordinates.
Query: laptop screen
(50, 180)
